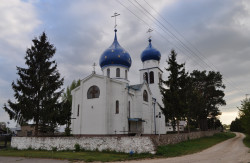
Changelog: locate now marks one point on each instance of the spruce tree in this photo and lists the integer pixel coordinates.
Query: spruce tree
(173, 92)
(38, 88)
(209, 94)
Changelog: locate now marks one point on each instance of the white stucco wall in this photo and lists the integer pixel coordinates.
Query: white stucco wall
(92, 114)
(119, 144)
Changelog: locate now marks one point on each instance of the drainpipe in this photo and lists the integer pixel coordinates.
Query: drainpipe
(154, 101)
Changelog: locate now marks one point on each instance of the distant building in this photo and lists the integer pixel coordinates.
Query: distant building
(26, 130)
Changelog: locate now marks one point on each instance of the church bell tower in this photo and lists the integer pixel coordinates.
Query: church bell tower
(151, 73)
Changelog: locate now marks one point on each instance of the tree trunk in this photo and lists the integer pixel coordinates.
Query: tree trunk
(188, 125)
(36, 128)
(178, 124)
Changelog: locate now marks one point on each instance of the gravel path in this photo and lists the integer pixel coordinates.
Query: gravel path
(229, 151)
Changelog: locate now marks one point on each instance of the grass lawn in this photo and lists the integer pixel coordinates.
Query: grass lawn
(192, 146)
(182, 148)
(87, 156)
(246, 141)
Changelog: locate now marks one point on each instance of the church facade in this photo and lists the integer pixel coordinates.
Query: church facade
(107, 104)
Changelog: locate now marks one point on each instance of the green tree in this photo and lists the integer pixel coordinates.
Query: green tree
(173, 92)
(38, 88)
(67, 106)
(236, 125)
(245, 115)
(208, 89)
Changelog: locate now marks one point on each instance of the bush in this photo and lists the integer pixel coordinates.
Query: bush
(54, 149)
(246, 140)
(67, 131)
(77, 147)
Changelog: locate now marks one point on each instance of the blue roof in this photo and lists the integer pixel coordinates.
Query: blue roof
(150, 53)
(115, 55)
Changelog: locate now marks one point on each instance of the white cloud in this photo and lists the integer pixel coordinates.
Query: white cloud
(18, 19)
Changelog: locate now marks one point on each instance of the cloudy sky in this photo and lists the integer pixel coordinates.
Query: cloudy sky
(206, 34)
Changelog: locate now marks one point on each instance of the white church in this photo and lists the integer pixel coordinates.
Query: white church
(107, 104)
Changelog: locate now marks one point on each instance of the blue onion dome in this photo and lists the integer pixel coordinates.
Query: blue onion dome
(150, 53)
(115, 55)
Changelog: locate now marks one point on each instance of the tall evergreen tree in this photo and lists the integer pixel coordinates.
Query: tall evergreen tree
(209, 90)
(38, 88)
(173, 92)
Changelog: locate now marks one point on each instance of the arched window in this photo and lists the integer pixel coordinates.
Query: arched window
(145, 76)
(108, 72)
(126, 74)
(93, 92)
(151, 77)
(117, 107)
(78, 110)
(118, 72)
(145, 96)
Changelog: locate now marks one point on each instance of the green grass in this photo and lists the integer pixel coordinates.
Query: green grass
(192, 146)
(87, 156)
(182, 148)
(246, 141)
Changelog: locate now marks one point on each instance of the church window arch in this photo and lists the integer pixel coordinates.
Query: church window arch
(145, 76)
(116, 107)
(117, 72)
(93, 92)
(151, 77)
(126, 74)
(145, 96)
(108, 72)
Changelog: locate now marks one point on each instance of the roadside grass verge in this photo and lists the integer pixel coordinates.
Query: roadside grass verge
(182, 148)
(192, 146)
(246, 141)
(87, 156)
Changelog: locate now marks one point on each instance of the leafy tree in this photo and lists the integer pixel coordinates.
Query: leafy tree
(245, 115)
(38, 88)
(67, 106)
(236, 125)
(208, 91)
(173, 92)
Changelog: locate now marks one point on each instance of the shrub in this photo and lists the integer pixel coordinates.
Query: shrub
(77, 147)
(54, 149)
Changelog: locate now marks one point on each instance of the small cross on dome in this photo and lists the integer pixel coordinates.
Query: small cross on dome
(115, 15)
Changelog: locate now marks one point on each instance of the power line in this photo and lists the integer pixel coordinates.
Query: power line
(227, 80)
(191, 52)
(198, 63)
